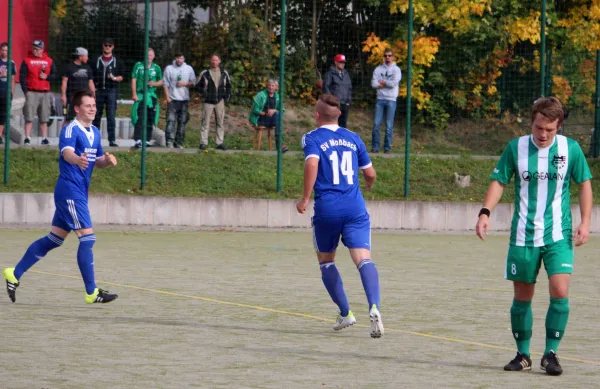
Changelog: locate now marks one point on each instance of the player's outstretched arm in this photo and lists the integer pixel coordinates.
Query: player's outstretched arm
(311, 169)
(492, 197)
(106, 160)
(370, 176)
(74, 159)
(582, 233)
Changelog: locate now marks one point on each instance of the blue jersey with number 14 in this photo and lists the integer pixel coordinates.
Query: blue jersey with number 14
(341, 154)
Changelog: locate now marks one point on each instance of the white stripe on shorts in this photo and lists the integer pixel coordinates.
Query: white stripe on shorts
(315, 239)
(73, 212)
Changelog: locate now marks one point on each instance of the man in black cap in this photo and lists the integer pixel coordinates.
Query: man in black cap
(108, 73)
(77, 76)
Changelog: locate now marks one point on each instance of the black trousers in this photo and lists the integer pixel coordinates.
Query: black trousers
(137, 134)
(343, 120)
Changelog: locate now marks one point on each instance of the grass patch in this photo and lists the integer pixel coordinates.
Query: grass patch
(462, 137)
(212, 174)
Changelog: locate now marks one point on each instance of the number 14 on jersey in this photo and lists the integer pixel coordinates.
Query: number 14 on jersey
(345, 166)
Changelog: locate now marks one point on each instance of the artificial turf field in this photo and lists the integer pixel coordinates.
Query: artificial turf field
(249, 310)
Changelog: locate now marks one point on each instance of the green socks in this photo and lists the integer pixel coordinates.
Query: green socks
(556, 322)
(521, 320)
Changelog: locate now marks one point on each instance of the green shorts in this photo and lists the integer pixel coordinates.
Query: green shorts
(523, 263)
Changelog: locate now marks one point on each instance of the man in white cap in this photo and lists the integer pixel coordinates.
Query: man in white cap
(77, 76)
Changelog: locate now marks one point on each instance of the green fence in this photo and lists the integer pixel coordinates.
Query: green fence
(476, 64)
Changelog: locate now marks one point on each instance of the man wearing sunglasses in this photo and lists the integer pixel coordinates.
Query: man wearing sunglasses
(108, 73)
(386, 78)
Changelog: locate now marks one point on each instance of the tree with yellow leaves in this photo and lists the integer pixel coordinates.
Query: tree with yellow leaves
(464, 48)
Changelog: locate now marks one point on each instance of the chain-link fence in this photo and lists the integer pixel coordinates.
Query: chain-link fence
(476, 63)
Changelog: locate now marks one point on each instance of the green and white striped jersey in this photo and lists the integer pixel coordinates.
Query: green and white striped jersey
(542, 178)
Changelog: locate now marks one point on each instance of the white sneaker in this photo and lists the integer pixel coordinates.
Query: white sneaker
(344, 321)
(376, 323)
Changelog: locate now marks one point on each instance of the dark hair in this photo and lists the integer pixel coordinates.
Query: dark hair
(388, 51)
(215, 55)
(178, 54)
(3, 44)
(331, 111)
(330, 99)
(79, 95)
(549, 107)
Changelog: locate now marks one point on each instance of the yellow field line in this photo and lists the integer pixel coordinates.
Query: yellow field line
(303, 315)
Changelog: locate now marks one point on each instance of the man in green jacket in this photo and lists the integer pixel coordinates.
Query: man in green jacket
(265, 109)
(137, 87)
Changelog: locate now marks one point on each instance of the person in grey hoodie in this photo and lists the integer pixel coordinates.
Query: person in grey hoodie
(337, 82)
(386, 78)
(177, 78)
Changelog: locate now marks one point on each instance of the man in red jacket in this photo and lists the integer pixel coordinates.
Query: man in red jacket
(37, 70)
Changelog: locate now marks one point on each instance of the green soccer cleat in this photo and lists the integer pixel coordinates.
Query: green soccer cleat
(344, 321)
(100, 296)
(11, 283)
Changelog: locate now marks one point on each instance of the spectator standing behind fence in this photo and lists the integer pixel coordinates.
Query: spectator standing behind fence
(178, 77)
(265, 113)
(337, 82)
(4, 85)
(35, 74)
(215, 87)
(386, 78)
(108, 73)
(137, 87)
(77, 76)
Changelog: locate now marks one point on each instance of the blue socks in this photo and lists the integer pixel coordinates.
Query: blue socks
(370, 280)
(37, 251)
(85, 260)
(334, 285)
(41, 247)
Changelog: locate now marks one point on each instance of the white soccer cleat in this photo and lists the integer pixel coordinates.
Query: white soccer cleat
(376, 323)
(344, 321)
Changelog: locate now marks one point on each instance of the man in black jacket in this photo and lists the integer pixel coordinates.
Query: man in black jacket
(108, 73)
(215, 87)
(337, 82)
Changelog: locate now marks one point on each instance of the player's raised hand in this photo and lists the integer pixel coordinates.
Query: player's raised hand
(301, 206)
(110, 159)
(482, 226)
(83, 162)
(581, 234)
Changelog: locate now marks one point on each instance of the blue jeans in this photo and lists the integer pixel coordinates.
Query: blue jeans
(270, 121)
(107, 97)
(389, 106)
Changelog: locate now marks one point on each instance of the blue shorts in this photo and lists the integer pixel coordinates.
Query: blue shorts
(355, 231)
(71, 214)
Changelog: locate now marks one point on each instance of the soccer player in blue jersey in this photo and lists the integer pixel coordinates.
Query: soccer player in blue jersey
(80, 151)
(333, 157)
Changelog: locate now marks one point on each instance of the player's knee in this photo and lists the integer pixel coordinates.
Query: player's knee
(50, 242)
(87, 241)
(365, 262)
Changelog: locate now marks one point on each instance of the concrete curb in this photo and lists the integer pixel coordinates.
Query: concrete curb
(236, 213)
